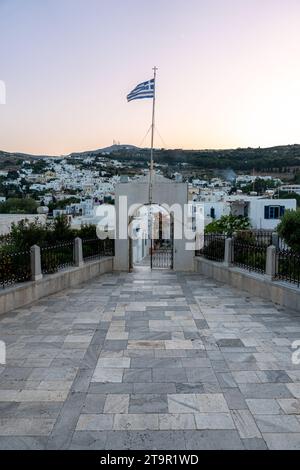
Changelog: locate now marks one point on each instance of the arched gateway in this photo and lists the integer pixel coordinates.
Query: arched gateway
(166, 193)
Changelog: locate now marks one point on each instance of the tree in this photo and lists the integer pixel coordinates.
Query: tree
(228, 224)
(289, 229)
(260, 186)
(291, 195)
(61, 229)
(18, 206)
(24, 234)
(13, 175)
(63, 203)
(87, 232)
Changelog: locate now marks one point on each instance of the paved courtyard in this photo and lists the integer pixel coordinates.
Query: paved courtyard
(147, 360)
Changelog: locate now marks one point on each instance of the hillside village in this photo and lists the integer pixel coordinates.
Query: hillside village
(76, 185)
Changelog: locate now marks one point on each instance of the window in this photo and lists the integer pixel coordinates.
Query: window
(213, 213)
(274, 212)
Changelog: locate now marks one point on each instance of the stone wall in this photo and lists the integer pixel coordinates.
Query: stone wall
(258, 285)
(24, 294)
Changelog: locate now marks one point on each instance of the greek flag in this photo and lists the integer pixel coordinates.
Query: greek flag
(141, 91)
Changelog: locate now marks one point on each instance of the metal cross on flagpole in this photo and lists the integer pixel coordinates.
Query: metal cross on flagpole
(152, 141)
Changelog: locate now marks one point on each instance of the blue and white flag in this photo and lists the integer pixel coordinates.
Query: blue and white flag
(141, 91)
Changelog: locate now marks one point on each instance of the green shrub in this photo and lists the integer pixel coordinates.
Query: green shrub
(87, 232)
(228, 224)
(25, 234)
(18, 206)
(214, 250)
(289, 229)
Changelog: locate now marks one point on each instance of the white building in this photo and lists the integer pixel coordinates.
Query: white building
(264, 213)
(291, 188)
(102, 216)
(251, 178)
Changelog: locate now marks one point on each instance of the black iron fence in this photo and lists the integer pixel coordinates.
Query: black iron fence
(95, 248)
(249, 251)
(282, 245)
(249, 248)
(15, 267)
(257, 237)
(57, 257)
(250, 256)
(288, 266)
(213, 247)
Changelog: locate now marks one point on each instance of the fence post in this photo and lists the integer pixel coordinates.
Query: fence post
(228, 252)
(275, 240)
(271, 262)
(78, 252)
(36, 264)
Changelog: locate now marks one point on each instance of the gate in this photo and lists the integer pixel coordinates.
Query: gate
(161, 254)
(162, 258)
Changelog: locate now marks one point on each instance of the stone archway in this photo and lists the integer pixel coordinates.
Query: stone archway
(151, 238)
(130, 196)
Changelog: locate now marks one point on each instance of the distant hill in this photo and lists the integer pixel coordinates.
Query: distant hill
(111, 149)
(280, 159)
(22, 156)
(27, 156)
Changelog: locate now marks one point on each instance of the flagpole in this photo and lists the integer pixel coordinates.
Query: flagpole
(152, 140)
(152, 167)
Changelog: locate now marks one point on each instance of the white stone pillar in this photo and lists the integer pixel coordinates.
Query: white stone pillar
(228, 252)
(275, 239)
(36, 265)
(271, 262)
(78, 253)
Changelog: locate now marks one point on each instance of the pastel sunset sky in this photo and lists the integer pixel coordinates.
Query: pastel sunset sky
(229, 73)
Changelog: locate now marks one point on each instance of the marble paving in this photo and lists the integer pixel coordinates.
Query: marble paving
(145, 360)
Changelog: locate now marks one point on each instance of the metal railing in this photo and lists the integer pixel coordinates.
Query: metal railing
(257, 237)
(250, 256)
(15, 267)
(213, 247)
(282, 245)
(162, 258)
(249, 251)
(57, 257)
(288, 266)
(96, 248)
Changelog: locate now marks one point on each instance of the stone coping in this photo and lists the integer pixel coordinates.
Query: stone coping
(26, 293)
(259, 285)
